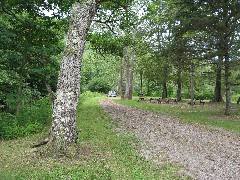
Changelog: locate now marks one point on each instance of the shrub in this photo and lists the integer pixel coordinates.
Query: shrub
(98, 85)
(235, 97)
(31, 119)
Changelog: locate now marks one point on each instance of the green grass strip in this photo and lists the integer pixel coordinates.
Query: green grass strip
(211, 114)
(104, 154)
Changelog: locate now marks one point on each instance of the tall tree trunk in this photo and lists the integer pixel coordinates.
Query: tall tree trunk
(141, 81)
(65, 105)
(50, 93)
(179, 81)
(120, 81)
(19, 95)
(164, 90)
(218, 85)
(227, 83)
(192, 83)
(148, 87)
(127, 90)
(164, 84)
(131, 74)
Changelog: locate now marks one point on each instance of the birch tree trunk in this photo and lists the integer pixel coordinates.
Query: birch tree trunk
(65, 105)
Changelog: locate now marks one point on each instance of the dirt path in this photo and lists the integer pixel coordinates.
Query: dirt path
(203, 152)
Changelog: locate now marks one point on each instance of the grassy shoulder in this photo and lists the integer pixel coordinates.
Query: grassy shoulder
(210, 114)
(104, 154)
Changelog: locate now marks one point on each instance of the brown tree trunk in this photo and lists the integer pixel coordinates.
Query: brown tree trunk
(148, 87)
(127, 90)
(131, 74)
(218, 85)
(65, 105)
(120, 81)
(19, 95)
(179, 82)
(164, 90)
(141, 81)
(192, 84)
(227, 83)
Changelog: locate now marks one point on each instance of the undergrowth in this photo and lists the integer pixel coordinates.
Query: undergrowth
(31, 119)
(104, 153)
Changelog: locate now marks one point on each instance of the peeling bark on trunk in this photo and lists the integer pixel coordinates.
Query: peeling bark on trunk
(65, 105)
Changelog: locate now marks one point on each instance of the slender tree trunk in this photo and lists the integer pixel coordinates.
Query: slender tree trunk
(120, 81)
(227, 83)
(65, 105)
(164, 84)
(19, 95)
(218, 84)
(50, 93)
(192, 83)
(148, 87)
(179, 82)
(141, 81)
(127, 90)
(131, 74)
(164, 90)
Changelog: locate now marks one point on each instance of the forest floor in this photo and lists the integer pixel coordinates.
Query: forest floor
(203, 152)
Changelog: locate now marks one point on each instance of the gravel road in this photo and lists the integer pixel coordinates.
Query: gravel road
(203, 152)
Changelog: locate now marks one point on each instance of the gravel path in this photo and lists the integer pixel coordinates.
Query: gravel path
(203, 152)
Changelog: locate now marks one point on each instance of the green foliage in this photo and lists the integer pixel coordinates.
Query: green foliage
(98, 67)
(31, 119)
(235, 97)
(29, 54)
(99, 85)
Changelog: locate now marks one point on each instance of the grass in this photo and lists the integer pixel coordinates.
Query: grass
(104, 154)
(211, 114)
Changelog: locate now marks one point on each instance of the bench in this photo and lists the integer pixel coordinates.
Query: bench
(202, 102)
(141, 97)
(194, 102)
(155, 100)
(174, 100)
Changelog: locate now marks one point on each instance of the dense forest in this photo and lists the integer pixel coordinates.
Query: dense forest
(171, 48)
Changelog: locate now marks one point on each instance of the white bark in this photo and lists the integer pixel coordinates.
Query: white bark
(68, 88)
